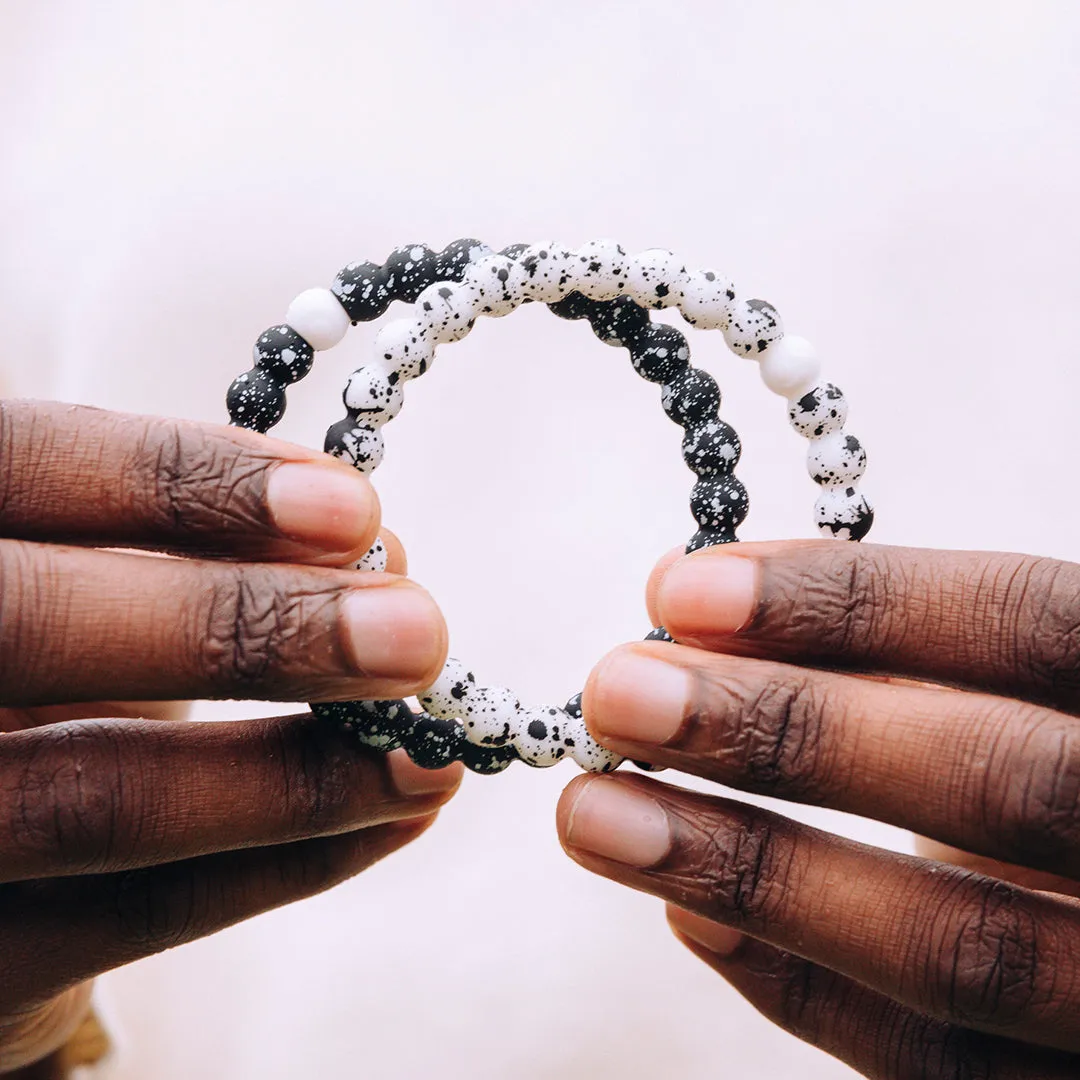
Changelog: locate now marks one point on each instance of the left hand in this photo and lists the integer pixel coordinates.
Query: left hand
(937, 691)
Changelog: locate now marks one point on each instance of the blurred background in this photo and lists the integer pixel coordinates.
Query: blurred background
(900, 180)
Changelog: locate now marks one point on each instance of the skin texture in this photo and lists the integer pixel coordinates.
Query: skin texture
(125, 830)
(936, 691)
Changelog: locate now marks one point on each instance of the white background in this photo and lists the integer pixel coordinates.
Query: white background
(900, 180)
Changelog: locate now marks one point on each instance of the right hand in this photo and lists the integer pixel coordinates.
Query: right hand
(122, 836)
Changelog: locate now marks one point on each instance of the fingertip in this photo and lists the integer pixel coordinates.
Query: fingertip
(701, 934)
(564, 810)
(397, 561)
(708, 594)
(656, 576)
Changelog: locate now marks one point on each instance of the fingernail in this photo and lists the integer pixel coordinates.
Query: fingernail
(394, 631)
(721, 940)
(612, 820)
(713, 594)
(638, 698)
(323, 505)
(411, 780)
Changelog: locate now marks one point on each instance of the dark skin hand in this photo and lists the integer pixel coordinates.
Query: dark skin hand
(120, 835)
(936, 691)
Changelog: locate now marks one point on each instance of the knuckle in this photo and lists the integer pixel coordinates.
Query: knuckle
(984, 966)
(1040, 623)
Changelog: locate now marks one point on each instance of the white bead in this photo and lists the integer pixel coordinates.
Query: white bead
(500, 282)
(318, 317)
(656, 278)
(790, 366)
(402, 346)
(599, 269)
(836, 460)
(448, 696)
(374, 558)
(707, 299)
(819, 411)
(586, 751)
(753, 326)
(538, 736)
(491, 715)
(361, 447)
(374, 394)
(547, 269)
(842, 513)
(447, 310)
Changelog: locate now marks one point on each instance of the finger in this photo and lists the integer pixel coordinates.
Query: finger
(27, 1036)
(997, 868)
(85, 476)
(1004, 623)
(55, 934)
(962, 948)
(396, 560)
(879, 1038)
(99, 796)
(83, 625)
(655, 578)
(987, 774)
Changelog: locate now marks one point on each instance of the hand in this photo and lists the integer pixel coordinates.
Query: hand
(120, 836)
(938, 691)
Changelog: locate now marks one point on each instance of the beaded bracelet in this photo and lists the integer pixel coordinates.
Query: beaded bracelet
(486, 727)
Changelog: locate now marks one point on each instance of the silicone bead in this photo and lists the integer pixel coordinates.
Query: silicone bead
(621, 323)
(283, 354)
(706, 300)
(660, 354)
(600, 273)
(819, 411)
(585, 750)
(538, 739)
(500, 282)
(712, 447)
(486, 760)
(450, 263)
(658, 634)
(719, 502)
(255, 400)
(433, 743)
(753, 326)
(318, 317)
(843, 514)
(403, 346)
(790, 366)
(490, 715)
(656, 278)
(447, 311)
(374, 558)
(547, 271)
(409, 270)
(375, 396)
(361, 288)
(704, 538)
(836, 460)
(361, 447)
(448, 696)
(691, 398)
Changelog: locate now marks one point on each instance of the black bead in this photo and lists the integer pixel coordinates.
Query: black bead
(362, 290)
(719, 502)
(256, 400)
(575, 306)
(711, 448)
(691, 398)
(410, 269)
(282, 353)
(433, 743)
(450, 263)
(660, 354)
(659, 634)
(385, 720)
(704, 538)
(486, 760)
(573, 707)
(620, 322)
(865, 520)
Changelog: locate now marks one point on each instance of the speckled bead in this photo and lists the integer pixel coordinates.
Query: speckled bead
(843, 514)
(538, 739)
(409, 270)
(753, 326)
(404, 347)
(704, 538)
(447, 311)
(691, 398)
(660, 354)
(600, 271)
(363, 289)
(486, 760)
(620, 323)
(374, 396)
(433, 743)
(584, 749)
(319, 318)
(283, 354)
(255, 400)
(659, 634)
(656, 278)
(820, 411)
(358, 446)
(719, 502)
(712, 447)
(836, 460)
(490, 715)
(547, 268)
(374, 558)
(448, 696)
(450, 263)
(500, 284)
(706, 300)
(790, 366)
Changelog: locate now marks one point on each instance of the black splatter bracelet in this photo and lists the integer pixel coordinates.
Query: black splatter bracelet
(486, 727)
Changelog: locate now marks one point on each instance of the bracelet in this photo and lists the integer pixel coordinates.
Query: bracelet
(487, 727)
